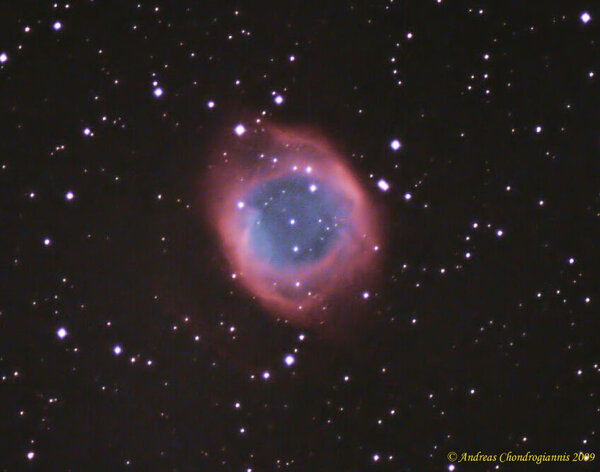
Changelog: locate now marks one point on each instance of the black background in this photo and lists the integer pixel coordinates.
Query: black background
(510, 323)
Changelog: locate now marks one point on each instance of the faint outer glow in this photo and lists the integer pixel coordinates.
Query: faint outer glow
(395, 145)
(57, 25)
(278, 289)
(30, 455)
(240, 205)
(158, 92)
(62, 333)
(289, 360)
(278, 100)
(210, 104)
(3, 58)
(240, 129)
(585, 17)
(383, 185)
(117, 350)
(69, 195)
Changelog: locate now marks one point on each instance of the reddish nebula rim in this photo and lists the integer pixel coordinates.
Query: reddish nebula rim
(306, 292)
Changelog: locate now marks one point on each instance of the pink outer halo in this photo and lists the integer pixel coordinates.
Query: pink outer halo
(305, 294)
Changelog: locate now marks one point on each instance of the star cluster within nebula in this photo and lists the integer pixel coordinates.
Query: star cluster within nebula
(294, 221)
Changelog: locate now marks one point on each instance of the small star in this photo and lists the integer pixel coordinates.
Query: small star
(395, 145)
(289, 360)
(240, 129)
(585, 17)
(383, 185)
(61, 333)
(57, 25)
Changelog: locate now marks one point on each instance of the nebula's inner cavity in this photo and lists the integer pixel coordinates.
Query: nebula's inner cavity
(292, 220)
(298, 229)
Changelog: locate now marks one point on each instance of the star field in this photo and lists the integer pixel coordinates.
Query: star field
(458, 312)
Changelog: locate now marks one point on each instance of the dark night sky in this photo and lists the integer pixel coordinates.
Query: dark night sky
(125, 343)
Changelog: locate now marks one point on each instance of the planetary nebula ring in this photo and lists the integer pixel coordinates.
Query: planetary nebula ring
(297, 228)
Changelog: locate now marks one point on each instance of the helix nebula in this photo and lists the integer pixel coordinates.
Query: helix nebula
(297, 227)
